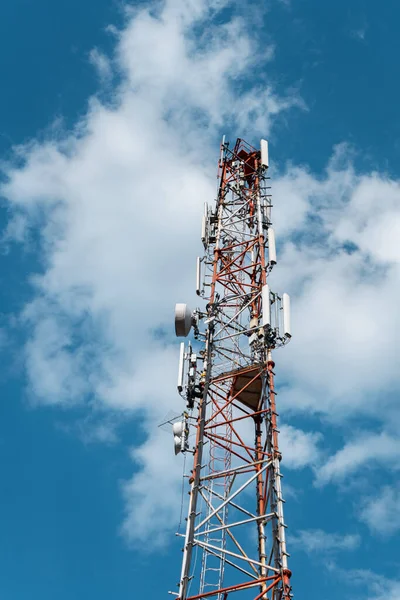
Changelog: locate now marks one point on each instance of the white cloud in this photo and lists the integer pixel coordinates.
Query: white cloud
(385, 589)
(382, 588)
(382, 513)
(15, 230)
(366, 451)
(299, 448)
(342, 268)
(375, 586)
(316, 540)
(54, 371)
(118, 202)
(153, 496)
(102, 64)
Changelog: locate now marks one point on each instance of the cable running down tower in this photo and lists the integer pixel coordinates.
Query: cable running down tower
(235, 541)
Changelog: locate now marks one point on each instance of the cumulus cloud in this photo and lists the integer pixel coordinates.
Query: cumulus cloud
(374, 586)
(299, 448)
(366, 451)
(317, 540)
(149, 508)
(380, 587)
(102, 64)
(117, 202)
(382, 513)
(341, 262)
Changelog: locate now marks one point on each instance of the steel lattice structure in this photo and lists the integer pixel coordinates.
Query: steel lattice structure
(235, 529)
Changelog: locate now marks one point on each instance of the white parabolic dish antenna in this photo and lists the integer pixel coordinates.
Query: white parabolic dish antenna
(183, 320)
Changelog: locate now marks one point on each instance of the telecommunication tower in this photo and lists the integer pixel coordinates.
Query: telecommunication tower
(235, 529)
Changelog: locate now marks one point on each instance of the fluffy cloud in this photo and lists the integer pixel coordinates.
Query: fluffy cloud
(374, 586)
(102, 64)
(381, 587)
(150, 511)
(316, 540)
(299, 448)
(382, 513)
(117, 203)
(340, 260)
(366, 451)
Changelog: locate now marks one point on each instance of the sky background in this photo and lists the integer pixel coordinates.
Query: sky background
(111, 116)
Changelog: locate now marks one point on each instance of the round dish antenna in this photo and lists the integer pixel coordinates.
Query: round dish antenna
(183, 320)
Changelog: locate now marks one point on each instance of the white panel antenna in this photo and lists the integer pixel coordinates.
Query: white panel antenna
(203, 229)
(266, 306)
(183, 320)
(264, 154)
(181, 367)
(271, 247)
(287, 331)
(204, 225)
(198, 276)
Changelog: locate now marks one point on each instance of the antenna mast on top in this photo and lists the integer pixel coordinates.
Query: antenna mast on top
(235, 540)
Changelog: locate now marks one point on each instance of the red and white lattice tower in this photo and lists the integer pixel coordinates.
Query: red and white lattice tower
(235, 529)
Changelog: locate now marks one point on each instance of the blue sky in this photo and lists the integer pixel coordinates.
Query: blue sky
(110, 120)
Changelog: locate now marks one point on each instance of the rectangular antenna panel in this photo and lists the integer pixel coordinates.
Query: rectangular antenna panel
(198, 276)
(266, 306)
(271, 246)
(204, 225)
(203, 230)
(287, 331)
(264, 154)
(181, 363)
